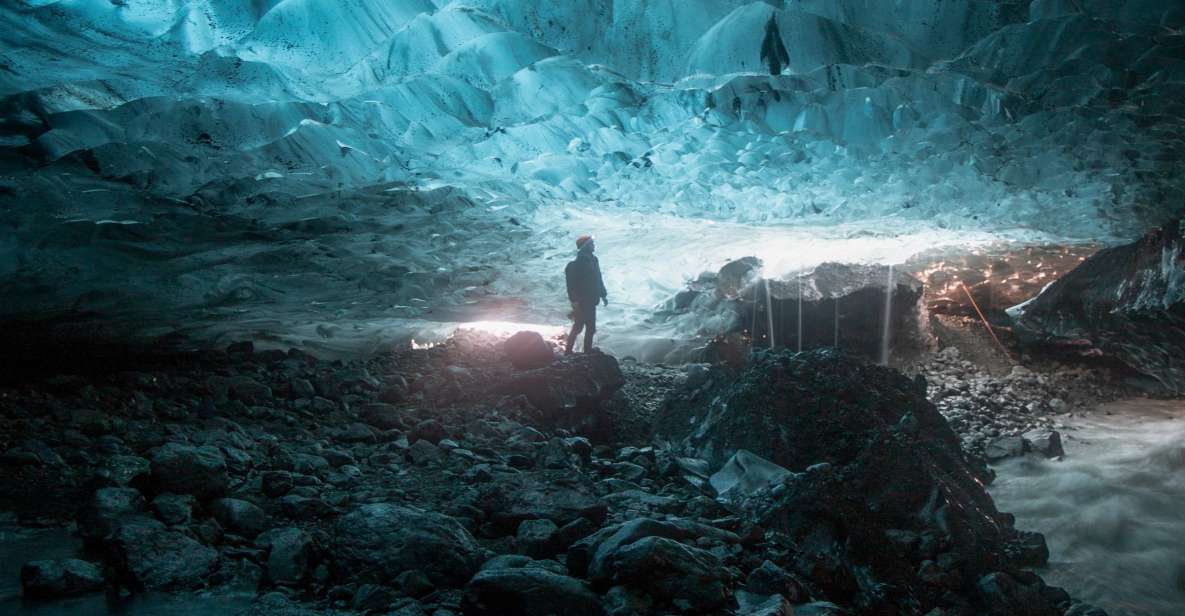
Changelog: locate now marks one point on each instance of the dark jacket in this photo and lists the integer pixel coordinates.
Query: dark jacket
(584, 279)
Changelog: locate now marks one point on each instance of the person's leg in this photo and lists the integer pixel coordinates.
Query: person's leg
(590, 328)
(577, 325)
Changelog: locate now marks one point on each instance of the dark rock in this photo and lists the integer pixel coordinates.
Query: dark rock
(370, 598)
(184, 469)
(1048, 443)
(423, 453)
(528, 350)
(1126, 302)
(571, 392)
(49, 579)
(1002, 594)
(146, 556)
(377, 542)
(124, 471)
(869, 454)
(250, 391)
(383, 416)
(239, 516)
(524, 497)
(528, 591)
(762, 605)
(174, 509)
(625, 601)
(1004, 448)
(303, 507)
(686, 576)
(276, 483)
(106, 508)
(429, 430)
(770, 579)
(536, 538)
(415, 583)
(290, 555)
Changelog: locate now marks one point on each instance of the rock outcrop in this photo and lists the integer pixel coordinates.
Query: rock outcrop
(1125, 302)
(877, 484)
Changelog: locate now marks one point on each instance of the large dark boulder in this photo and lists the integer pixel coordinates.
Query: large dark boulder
(185, 469)
(571, 392)
(529, 591)
(146, 556)
(1126, 302)
(683, 575)
(48, 579)
(878, 484)
(512, 500)
(375, 543)
(528, 350)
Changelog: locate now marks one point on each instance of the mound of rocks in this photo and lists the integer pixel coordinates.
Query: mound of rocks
(878, 504)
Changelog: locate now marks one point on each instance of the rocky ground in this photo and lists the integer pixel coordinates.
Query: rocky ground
(491, 477)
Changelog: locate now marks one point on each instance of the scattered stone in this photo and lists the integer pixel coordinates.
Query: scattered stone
(239, 517)
(51, 579)
(528, 350)
(184, 469)
(377, 542)
(146, 556)
(528, 591)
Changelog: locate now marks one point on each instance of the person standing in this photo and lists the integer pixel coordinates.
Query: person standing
(585, 289)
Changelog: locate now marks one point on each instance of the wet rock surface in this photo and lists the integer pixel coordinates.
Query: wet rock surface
(466, 495)
(1125, 302)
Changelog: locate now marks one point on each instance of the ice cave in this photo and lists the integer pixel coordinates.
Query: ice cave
(592, 307)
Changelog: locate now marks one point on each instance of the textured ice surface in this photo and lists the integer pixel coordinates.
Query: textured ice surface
(212, 127)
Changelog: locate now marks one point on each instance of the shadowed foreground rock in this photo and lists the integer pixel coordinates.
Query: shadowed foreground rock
(878, 487)
(806, 482)
(1127, 302)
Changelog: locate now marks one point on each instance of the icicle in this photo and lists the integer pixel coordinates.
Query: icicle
(799, 313)
(769, 313)
(888, 317)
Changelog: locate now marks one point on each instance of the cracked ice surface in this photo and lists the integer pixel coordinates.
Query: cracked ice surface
(270, 154)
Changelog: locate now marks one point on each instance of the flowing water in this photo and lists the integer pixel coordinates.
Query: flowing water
(1113, 511)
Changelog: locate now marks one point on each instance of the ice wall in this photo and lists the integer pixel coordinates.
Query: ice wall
(1049, 116)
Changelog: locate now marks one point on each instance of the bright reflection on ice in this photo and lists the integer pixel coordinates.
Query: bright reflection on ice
(648, 257)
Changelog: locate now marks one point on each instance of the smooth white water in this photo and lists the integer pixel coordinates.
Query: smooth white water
(1113, 511)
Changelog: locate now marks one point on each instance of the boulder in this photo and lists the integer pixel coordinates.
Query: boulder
(1004, 447)
(528, 350)
(290, 555)
(239, 516)
(570, 393)
(185, 469)
(871, 461)
(529, 591)
(50, 579)
(685, 576)
(147, 556)
(106, 508)
(509, 502)
(375, 543)
(123, 471)
(383, 416)
(1047, 443)
(174, 509)
(1125, 302)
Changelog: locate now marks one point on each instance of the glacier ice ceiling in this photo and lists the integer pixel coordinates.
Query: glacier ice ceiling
(319, 163)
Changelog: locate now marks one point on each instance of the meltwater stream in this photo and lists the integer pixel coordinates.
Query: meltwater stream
(1113, 511)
